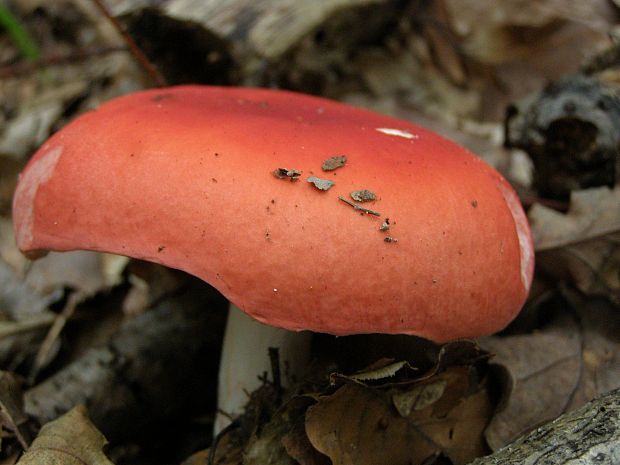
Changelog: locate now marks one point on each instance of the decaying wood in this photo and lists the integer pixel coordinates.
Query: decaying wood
(590, 434)
(268, 27)
(300, 45)
(570, 130)
(159, 364)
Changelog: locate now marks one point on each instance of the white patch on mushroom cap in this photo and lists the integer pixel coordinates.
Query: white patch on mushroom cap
(38, 173)
(526, 246)
(398, 133)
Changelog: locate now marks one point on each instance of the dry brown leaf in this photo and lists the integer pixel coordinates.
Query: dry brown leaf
(556, 369)
(518, 26)
(299, 447)
(593, 213)
(525, 44)
(600, 328)
(593, 266)
(583, 244)
(543, 370)
(267, 449)
(381, 370)
(271, 444)
(358, 425)
(70, 440)
(418, 397)
(444, 410)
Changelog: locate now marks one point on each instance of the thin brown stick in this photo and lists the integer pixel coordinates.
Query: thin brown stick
(53, 334)
(24, 67)
(359, 207)
(136, 51)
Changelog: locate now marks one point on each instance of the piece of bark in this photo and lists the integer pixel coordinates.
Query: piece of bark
(588, 435)
(159, 364)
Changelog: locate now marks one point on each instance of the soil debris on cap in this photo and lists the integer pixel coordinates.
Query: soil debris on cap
(363, 195)
(283, 173)
(359, 207)
(334, 162)
(385, 226)
(390, 239)
(321, 184)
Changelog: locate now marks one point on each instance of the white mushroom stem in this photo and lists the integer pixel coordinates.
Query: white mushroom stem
(245, 357)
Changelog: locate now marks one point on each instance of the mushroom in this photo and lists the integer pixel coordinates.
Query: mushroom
(184, 177)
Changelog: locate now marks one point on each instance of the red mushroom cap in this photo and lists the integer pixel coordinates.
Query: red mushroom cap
(185, 177)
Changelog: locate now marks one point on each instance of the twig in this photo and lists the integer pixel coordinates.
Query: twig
(23, 67)
(274, 358)
(43, 354)
(359, 207)
(137, 53)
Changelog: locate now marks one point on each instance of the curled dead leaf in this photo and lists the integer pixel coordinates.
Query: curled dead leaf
(70, 440)
(418, 397)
